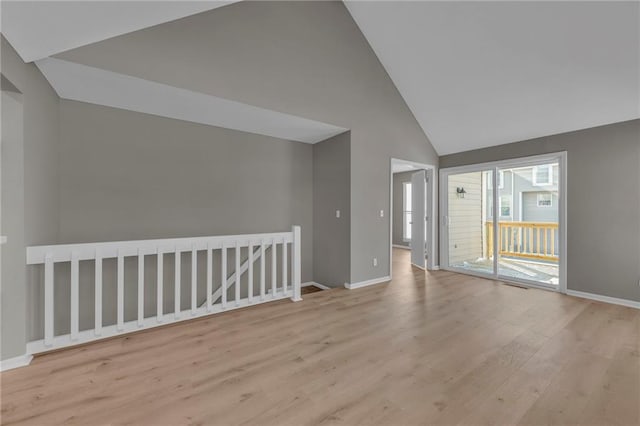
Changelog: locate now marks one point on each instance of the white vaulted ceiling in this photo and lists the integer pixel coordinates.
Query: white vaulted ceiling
(37, 29)
(474, 74)
(477, 74)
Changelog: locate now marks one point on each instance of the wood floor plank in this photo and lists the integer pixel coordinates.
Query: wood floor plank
(426, 348)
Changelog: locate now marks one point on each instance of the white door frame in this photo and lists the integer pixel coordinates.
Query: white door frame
(561, 158)
(432, 206)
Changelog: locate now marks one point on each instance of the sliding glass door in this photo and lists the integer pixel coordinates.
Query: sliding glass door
(506, 220)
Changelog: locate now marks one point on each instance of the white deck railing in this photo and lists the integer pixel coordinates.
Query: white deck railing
(255, 292)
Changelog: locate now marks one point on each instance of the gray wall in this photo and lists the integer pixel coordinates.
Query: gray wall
(12, 268)
(331, 192)
(40, 193)
(126, 176)
(398, 180)
(603, 202)
(303, 58)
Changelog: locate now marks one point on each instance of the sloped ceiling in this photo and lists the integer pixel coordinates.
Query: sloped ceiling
(474, 74)
(37, 29)
(101, 87)
(477, 74)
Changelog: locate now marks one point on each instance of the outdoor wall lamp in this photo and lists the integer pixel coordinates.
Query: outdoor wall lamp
(460, 192)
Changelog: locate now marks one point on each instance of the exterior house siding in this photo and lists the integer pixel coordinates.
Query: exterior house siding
(465, 217)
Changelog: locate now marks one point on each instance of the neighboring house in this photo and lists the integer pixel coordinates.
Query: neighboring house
(528, 194)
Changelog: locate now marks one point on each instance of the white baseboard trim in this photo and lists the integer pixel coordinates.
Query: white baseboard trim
(400, 246)
(16, 362)
(436, 268)
(315, 284)
(606, 299)
(367, 283)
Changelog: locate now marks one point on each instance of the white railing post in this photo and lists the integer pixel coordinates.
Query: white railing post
(296, 264)
(194, 279)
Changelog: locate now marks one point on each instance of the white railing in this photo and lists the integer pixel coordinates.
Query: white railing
(255, 293)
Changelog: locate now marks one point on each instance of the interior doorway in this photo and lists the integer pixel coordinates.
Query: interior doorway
(412, 213)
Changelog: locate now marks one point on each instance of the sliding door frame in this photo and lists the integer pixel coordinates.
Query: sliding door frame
(494, 167)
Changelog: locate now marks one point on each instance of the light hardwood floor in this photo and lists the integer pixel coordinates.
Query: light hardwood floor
(427, 348)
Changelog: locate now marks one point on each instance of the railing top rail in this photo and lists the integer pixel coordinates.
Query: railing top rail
(526, 224)
(109, 249)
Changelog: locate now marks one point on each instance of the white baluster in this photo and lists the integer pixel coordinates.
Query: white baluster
(262, 270)
(177, 278)
(98, 296)
(120, 291)
(140, 288)
(223, 274)
(238, 274)
(48, 299)
(160, 287)
(284, 265)
(75, 308)
(250, 273)
(209, 277)
(274, 272)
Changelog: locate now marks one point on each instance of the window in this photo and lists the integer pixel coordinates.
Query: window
(505, 205)
(406, 211)
(500, 180)
(545, 199)
(543, 175)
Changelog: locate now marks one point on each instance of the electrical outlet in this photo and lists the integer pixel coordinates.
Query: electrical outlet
(375, 261)
(381, 213)
(337, 213)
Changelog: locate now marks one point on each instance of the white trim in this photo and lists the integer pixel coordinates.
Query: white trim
(435, 268)
(315, 284)
(605, 299)
(16, 362)
(367, 283)
(400, 246)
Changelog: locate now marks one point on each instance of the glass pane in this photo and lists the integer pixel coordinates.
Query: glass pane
(528, 236)
(406, 208)
(470, 208)
(407, 226)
